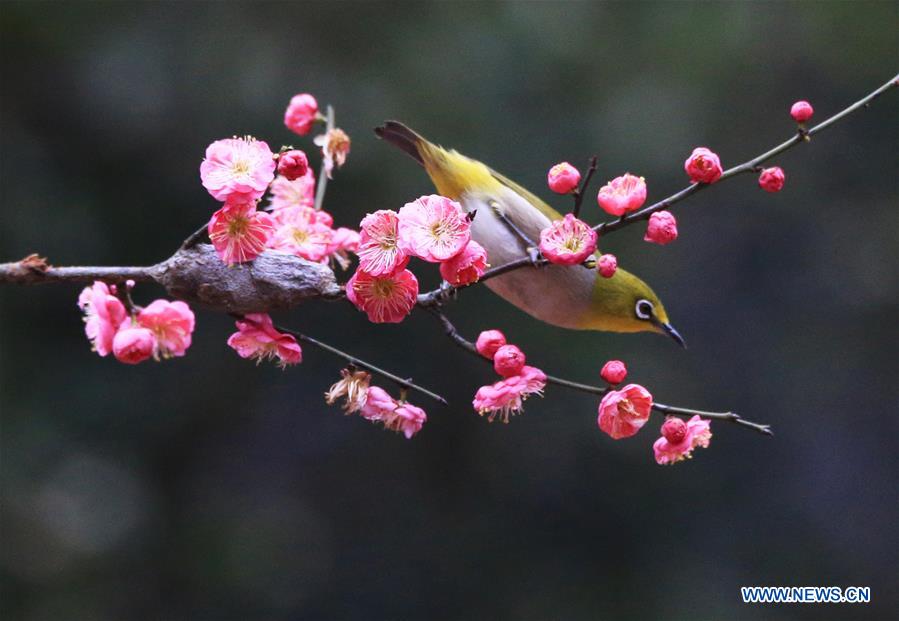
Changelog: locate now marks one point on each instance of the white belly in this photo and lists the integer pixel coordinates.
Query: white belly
(556, 294)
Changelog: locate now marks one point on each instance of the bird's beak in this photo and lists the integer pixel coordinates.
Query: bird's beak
(668, 329)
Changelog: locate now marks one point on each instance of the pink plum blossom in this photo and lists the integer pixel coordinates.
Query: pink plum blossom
(489, 341)
(401, 417)
(433, 228)
(301, 113)
(622, 194)
(801, 111)
(506, 397)
(379, 251)
(385, 299)
(613, 372)
(172, 323)
(607, 265)
(353, 385)
(466, 267)
(237, 168)
(703, 166)
(258, 339)
(297, 193)
(508, 360)
(104, 313)
(293, 164)
(378, 406)
(563, 178)
(623, 412)
(568, 241)
(661, 229)
(303, 232)
(238, 232)
(335, 147)
(343, 242)
(133, 345)
(679, 438)
(772, 179)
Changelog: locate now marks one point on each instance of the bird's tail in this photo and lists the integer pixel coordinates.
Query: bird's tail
(403, 138)
(452, 173)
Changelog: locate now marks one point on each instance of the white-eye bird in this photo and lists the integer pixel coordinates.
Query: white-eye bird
(572, 297)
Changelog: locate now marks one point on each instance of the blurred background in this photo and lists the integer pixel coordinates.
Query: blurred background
(210, 488)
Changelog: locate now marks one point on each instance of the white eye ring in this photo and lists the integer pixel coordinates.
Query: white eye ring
(643, 309)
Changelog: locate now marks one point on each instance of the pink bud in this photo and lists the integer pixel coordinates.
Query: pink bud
(622, 195)
(772, 179)
(563, 178)
(489, 341)
(293, 164)
(801, 111)
(607, 265)
(301, 113)
(662, 228)
(613, 372)
(133, 345)
(508, 360)
(674, 430)
(703, 166)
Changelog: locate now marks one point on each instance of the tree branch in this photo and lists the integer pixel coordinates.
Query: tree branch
(668, 410)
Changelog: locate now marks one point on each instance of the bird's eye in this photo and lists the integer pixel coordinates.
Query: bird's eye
(644, 309)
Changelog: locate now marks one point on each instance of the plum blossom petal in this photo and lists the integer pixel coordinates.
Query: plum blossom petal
(258, 339)
(433, 228)
(385, 299)
(238, 232)
(299, 192)
(466, 267)
(623, 412)
(379, 252)
(237, 168)
(568, 241)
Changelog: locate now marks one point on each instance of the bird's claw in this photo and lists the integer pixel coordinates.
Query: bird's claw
(534, 255)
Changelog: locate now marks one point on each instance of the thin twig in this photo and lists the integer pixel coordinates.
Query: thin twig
(351, 359)
(322, 173)
(669, 410)
(579, 194)
(34, 270)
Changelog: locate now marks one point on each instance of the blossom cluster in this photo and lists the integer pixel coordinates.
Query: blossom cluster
(132, 334)
(240, 171)
(431, 228)
(506, 397)
(375, 404)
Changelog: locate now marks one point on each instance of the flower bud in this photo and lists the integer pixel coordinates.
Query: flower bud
(703, 166)
(489, 341)
(801, 111)
(613, 372)
(508, 360)
(622, 195)
(563, 178)
(293, 164)
(301, 114)
(662, 228)
(133, 345)
(607, 265)
(772, 179)
(674, 430)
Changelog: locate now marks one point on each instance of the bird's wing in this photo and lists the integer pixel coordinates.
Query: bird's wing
(534, 200)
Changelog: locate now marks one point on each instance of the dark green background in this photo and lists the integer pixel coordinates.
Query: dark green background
(209, 488)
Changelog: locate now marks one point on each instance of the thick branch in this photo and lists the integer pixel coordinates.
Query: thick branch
(668, 410)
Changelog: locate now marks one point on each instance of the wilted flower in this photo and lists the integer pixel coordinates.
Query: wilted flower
(433, 228)
(257, 338)
(399, 416)
(239, 232)
(354, 386)
(568, 241)
(237, 168)
(385, 299)
(335, 147)
(622, 194)
(623, 412)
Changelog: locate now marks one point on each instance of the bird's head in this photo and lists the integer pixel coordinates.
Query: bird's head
(624, 303)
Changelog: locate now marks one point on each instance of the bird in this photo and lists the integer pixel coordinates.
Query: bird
(505, 218)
